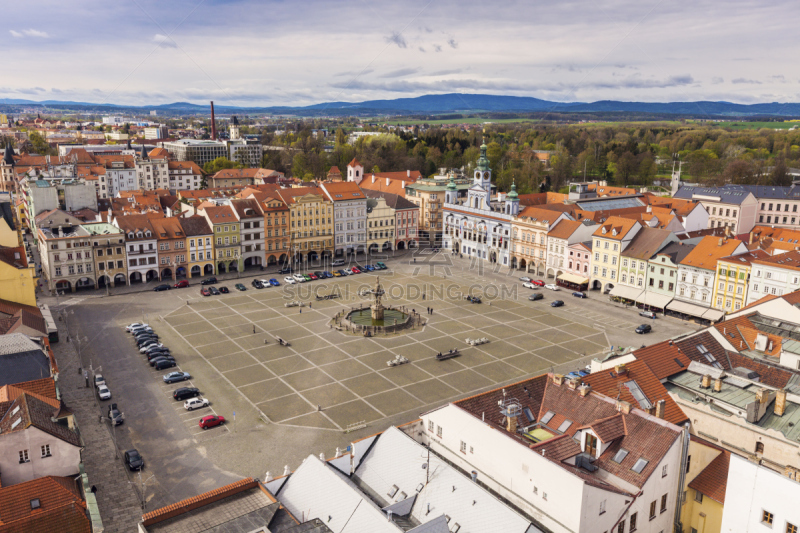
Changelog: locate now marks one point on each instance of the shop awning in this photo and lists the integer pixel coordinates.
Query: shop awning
(653, 299)
(687, 308)
(623, 291)
(572, 278)
(713, 315)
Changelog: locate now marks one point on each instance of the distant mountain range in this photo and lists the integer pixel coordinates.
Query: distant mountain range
(435, 104)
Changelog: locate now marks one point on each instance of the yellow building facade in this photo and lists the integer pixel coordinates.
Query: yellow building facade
(732, 280)
(17, 280)
(704, 488)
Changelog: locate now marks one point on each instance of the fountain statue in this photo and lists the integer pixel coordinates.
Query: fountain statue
(377, 308)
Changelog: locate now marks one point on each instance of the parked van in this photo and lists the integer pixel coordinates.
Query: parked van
(338, 262)
(647, 314)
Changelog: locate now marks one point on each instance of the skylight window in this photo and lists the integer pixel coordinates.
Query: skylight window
(639, 466)
(620, 455)
(547, 417)
(565, 426)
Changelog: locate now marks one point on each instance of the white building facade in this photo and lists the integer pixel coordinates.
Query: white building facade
(349, 217)
(775, 276)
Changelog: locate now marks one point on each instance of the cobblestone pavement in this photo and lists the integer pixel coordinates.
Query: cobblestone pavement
(117, 499)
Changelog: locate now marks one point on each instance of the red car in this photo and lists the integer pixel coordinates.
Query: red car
(205, 292)
(312, 276)
(356, 270)
(182, 284)
(211, 420)
(538, 282)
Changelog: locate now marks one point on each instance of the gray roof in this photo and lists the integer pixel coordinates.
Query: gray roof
(646, 243)
(611, 202)
(196, 225)
(729, 194)
(395, 201)
(677, 251)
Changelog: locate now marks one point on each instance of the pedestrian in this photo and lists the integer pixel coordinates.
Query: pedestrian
(301, 310)
(423, 295)
(94, 489)
(309, 305)
(254, 329)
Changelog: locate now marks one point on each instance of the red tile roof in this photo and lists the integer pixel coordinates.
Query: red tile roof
(613, 385)
(195, 502)
(710, 250)
(663, 359)
(713, 480)
(615, 228)
(61, 507)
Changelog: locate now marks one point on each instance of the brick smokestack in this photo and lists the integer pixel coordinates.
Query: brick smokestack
(213, 123)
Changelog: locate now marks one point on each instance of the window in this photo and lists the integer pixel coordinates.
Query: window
(688, 463)
(639, 466)
(653, 509)
(23, 456)
(35, 503)
(759, 447)
(621, 527)
(791, 528)
(767, 517)
(664, 503)
(698, 496)
(439, 431)
(620, 455)
(463, 447)
(664, 471)
(46, 450)
(602, 507)
(633, 522)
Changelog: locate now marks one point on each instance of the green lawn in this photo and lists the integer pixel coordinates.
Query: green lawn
(759, 125)
(469, 120)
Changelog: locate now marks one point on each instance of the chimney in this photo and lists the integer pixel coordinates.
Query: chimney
(705, 382)
(769, 346)
(60, 232)
(762, 395)
(752, 237)
(721, 241)
(585, 389)
(403, 184)
(623, 407)
(213, 123)
(660, 406)
(780, 402)
(511, 423)
(572, 384)
(408, 173)
(620, 369)
(718, 385)
(387, 182)
(558, 379)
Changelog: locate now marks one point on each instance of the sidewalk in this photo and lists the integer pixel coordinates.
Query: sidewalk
(117, 500)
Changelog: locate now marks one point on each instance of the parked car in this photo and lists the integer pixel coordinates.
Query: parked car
(319, 274)
(184, 393)
(195, 403)
(525, 279)
(536, 296)
(647, 314)
(338, 262)
(556, 303)
(140, 329)
(99, 380)
(115, 415)
(285, 270)
(240, 287)
(150, 344)
(163, 363)
(224, 290)
(174, 377)
(211, 420)
(133, 460)
(327, 274)
(290, 280)
(136, 325)
(158, 354)
(103, 392)
(369, 268)
(145, 340)
(265, 284)
(145, 334)
(552, 287)
(529, 285)
(472, 299)
(257, 284)
(205, 292)
(644, 328)
(381, 265)
(274, 282)
(307, 277)
(347, 271)
(145, 337)
(538, 282)
(356, 270)
(579, 294)
(299, 278)
(155, 360)
(214, 291)
(209, 281)
(182, 284)
(341, 272)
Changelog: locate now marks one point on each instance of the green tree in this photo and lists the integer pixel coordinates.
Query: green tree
(627, 166)
(220, 163)
(39, 144)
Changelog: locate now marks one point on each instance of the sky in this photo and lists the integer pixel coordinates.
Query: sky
(295, 53)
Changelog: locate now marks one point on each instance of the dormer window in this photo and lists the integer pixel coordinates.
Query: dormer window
(547, 417)
(620, 455)
(640, 465)
(604, 230)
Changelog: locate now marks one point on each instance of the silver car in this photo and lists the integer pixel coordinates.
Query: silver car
(103, 392)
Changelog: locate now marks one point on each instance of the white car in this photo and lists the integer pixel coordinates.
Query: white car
(348, 271)
(103, 392)
(551, 286)
(299, 278)
(525, 278)
(135, 325)
(290, 280)
(338, 263)
(195, 403)
(141, 329)
(99, 380)
(151, 344)
(265, 283)
(529, 285)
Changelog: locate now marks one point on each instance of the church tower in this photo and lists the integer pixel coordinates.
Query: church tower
(512, 201)
(451, 193)
(7, 181)
(234, 129)
(480, 193)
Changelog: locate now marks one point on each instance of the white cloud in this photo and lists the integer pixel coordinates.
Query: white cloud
(29, 33)
(164, 41)
(15, 33)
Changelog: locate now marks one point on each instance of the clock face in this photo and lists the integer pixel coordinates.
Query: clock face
(486, 175)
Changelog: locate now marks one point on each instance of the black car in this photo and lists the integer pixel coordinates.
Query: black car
(115, 415)
(536, 296)
(224, 290)
(184, 393)
(257, 284)
(149, 337)
(133, 460)
(556, 303)
(579, 294)
(158, 353)
(209, 281)
(319, 274)
(644, 328)
(155, 360)
(145, 335)
(162, 288)
(163, 363)
(146, 340)
(285, 270)
(214, 291)
(472, 299)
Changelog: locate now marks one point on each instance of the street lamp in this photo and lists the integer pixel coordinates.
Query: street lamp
(143, 484)
(114, 432)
